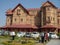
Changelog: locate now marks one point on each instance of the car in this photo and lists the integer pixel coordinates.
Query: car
(28, 34)
(35, 34)
(6, 32)
(53, 35)
(21, 34)
(2, 32)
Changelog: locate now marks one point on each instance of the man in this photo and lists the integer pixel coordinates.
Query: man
(42, 37)
(12, 34)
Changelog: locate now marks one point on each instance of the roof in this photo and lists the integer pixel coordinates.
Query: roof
(21, 6)
(58, 10)
(11, 11)
(48, 2)
(49, 26)
(19, 26)
(33, 9)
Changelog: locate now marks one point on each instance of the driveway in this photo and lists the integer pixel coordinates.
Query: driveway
(54, 42)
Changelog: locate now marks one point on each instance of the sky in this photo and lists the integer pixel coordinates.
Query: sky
(10, 4)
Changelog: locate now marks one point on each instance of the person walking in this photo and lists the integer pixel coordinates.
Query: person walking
(46, 37)
(12, 34)
(42, 37)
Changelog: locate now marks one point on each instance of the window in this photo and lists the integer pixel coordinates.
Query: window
(58, 21)
(30, 19)
(21, 19)
(48, 8)
(8, 20)
(53, 19)
(18, 11)
(48, 20)
(15, 19)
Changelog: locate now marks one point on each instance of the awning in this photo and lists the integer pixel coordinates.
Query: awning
(49, 26)
(18, 26)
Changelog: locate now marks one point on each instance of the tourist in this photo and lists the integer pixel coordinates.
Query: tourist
(12, 34)
(46, 37)
(42, 37)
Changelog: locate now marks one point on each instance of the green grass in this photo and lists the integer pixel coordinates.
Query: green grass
(18, 41)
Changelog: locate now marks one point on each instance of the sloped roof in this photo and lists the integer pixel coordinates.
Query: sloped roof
(48, 2)
(10, 11)
(21, 6)
(18, 26)
(33, 9)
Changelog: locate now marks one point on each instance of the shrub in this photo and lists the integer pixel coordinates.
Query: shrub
(58, 34)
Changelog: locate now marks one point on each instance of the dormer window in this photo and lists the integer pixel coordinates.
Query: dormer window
(48, 8)
(18, 11)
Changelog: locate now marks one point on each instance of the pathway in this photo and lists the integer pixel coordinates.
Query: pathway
(54, 42)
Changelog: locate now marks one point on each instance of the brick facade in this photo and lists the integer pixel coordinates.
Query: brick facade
(47, 14)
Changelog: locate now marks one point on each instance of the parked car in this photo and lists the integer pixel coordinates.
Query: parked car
(35, 34)
(21, 34)
(6, 32)
(28, 34)
(53, 35)
(2, 32)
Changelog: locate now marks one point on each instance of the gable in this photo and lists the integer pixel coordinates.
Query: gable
(48, 3)
(19, 6)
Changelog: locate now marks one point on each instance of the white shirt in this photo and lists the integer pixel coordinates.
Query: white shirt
(12, 33)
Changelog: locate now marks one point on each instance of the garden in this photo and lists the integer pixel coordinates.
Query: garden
(6, 40)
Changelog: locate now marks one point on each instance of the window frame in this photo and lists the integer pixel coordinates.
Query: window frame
(18, 11)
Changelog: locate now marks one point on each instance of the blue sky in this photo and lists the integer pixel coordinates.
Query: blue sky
(10, 4)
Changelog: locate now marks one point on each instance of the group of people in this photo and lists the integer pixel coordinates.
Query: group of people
(45, 37)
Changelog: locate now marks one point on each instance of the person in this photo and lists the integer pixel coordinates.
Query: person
(46, 37)
(12, 34)
(49, 36)
(42, 37)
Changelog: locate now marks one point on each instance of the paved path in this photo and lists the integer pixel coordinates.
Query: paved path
(54, 42)
(39, 44)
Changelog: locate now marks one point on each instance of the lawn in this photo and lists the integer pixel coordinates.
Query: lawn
(6, 40)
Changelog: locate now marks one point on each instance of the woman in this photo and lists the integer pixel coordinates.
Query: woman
(46, 37)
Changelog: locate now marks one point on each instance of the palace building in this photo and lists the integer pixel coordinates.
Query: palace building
(44, 18)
